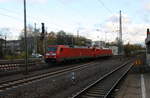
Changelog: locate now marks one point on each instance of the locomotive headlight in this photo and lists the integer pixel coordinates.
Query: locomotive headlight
(53, 54)
(47, 54)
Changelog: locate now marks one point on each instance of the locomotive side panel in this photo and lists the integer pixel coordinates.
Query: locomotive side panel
(75, 53)
(60, 53)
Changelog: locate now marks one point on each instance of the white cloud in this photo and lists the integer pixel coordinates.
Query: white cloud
(115, 18)
(132, 32)
(144, 11)
(146, 6)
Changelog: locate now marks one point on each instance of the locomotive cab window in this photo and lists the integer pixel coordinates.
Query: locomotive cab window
(53, 49)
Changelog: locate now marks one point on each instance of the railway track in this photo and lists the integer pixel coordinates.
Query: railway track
(17, 65)
(7, 85)
(12, 84)
(19, 60)
(14, 69)
(9, 65)
(102, 87)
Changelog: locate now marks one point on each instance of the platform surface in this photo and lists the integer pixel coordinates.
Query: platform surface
(136, 85)
(131, 87)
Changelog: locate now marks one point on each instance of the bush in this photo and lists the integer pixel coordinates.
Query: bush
(9, 57)
(19, 56)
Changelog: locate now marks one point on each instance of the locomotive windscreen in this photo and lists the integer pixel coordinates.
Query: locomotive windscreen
(53, 49)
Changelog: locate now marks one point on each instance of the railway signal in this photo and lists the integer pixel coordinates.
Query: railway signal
(43, 38)
(148, 32)
(43, 31)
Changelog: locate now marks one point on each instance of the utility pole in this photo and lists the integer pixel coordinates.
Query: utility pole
(120, 43)
(25, 39)
(35, 39)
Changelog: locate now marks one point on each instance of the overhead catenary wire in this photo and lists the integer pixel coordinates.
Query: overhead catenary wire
(38, 19)
(11, 11)
(12, 17)
(45, 18)
(73, 10)
(17, 18)
(107, 9)
(102, 3)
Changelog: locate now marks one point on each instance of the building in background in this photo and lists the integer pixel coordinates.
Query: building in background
(99, 44)
(13, 47)
(88, 42)
(114, 49)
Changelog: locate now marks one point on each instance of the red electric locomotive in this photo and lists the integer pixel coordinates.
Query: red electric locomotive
(60, 53)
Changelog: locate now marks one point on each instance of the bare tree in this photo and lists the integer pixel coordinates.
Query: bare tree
(32, 38)
(4, 35)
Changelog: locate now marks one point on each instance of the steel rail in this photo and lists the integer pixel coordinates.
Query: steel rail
(32, 70)
(101, 79)
(10, 84)
(19, 61)
(118, 81)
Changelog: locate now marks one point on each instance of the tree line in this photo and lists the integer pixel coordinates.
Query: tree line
(35, 40)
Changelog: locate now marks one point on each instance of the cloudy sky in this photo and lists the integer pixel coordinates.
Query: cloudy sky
(95, 19)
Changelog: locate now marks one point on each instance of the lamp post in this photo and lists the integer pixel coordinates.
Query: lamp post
(25, 39)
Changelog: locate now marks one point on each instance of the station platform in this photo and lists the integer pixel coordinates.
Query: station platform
(135, 85)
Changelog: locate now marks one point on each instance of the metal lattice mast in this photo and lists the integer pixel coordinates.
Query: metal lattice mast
(120, 28)
(120, 43)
